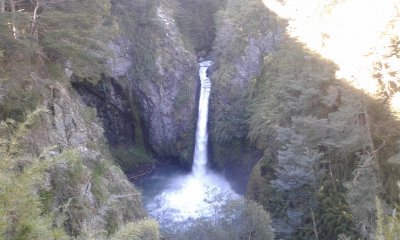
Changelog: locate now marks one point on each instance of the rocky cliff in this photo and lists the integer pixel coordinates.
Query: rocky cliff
(156, 76)
(86, 190)
(167, 92)
(312, 144)
(246, 34)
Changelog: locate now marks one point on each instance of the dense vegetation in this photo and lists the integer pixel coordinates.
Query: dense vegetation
(62, 32)
(325, 144)
(40, 38)
(235, 220)
(21, 212)
(34, 208)
(61, 191)
(328, 151)
(241, 26)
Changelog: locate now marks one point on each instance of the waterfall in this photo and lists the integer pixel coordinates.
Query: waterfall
(179, 197)
(200, 152)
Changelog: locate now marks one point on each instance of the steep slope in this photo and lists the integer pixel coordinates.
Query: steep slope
(119, 86)
(160, 76)
(59, 176)
(325, 144)
(246, 33)
(83, 189)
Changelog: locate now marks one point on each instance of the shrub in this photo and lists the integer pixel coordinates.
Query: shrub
(22, 214)
(235, 220)
(146, 229)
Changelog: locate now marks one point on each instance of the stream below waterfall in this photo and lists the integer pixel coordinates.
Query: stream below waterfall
(172, 195)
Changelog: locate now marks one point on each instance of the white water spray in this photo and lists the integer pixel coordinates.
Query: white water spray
(188, 196)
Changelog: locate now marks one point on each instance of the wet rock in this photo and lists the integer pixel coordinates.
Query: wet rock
(165, 87)
(113, 106)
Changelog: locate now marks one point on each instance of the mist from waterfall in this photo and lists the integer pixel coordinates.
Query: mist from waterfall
(179, 197)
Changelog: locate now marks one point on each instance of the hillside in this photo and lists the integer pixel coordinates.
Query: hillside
(304, 114)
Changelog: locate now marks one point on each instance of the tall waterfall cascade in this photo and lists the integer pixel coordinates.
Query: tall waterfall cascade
(182, 197)
(200, 152)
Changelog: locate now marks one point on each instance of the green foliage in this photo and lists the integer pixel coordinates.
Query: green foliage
(387, 226)
(298, 93)
(333, 215)
(82, 43)
(290, 85)
(15, 104)
(71, 33)
(385, 131)
(240, 25)
(261, 190)
(129, 157)
(229, 125)
(89, 114)
(255, 222)
(19, 48)
(146, 229)
(21, 210)
(235, 220)
(139, 22)
(227, 151)
(92, 196)
(67, 177)
(47, 199)
(32, 208)
(98, 182)
(318, 125)
(239, 22)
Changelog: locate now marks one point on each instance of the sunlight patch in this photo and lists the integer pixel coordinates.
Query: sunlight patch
(347, 32)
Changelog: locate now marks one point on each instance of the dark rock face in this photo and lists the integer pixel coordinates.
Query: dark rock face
(162, 76)
(113, 107)
(153, 80)
(168, 100)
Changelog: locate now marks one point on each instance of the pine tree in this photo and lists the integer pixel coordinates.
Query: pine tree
(21, 210)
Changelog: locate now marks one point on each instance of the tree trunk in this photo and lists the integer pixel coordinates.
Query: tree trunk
(34, 18)
(314, 225)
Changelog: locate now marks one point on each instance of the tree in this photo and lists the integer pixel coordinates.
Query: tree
(146, 229)
(21, 210)
(72, 33)
(255, 222)
(82, 45)
(238, 219)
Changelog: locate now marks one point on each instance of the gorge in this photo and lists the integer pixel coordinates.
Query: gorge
(107, 133)
(183, 197)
